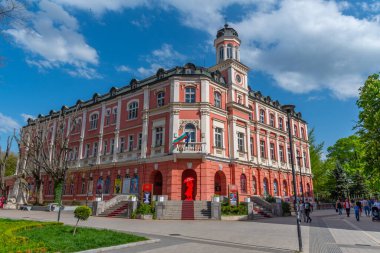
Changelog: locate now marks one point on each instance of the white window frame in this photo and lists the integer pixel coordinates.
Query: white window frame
(160, 99)
(263, 152)
(240, 142)
(130, 142)
(133, 107)
(107, 117)
(122, 145)
(94, 120)
(190, 95)
(218, 142)
(114, 115)
(217, 99)
(158, 132)
(272, 151)
(262, 115)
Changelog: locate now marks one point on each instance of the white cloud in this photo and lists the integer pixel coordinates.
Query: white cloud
(55, 42)
(123, 68)
(27, 116)
(164, 57)
(7, 124)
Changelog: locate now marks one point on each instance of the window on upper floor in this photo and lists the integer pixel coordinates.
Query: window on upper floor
(217, 99)
(190, 95)
(105, 147)
(240, 140)
(159, 132)
(190, 128)
(107, 117)
(130, 143)
(122, 145)
(305, 160)
(229, 51)
(262, 149)
(132, 110)
(302, 133)
(95, 150)
(77, 125)
(221, 53)
(295, 130)
(252, 146)
(112, 146)
(160, 99)
(298, 157)
(243, 183)
(240, 99)
(114, 115)
(218, 137)
(140, 141)
(94, 121)
(75, 153)
(250, 112)
(271, 120)
(272, 153)
(280, 123)
(87, 151)
(281, 151)
(287, 126)
(262, 116)
(289, 156)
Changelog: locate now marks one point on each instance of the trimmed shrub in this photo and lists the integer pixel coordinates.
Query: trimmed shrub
(285, 207)
(81, 213)
(270, 199)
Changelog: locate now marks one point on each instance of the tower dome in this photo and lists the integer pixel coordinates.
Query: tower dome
(227, 44)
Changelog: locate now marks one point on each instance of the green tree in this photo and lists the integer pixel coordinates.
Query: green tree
(340, 181)
(11, 165)
(81, 213)
(368, 125)
(359, 185)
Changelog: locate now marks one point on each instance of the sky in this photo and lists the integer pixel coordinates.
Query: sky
(314, 54)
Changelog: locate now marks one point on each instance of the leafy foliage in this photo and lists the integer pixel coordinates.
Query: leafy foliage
(285, 207)
(241, 209)
(10, 165)
(145, 209)
(270, 199)
(341, 182)
(81, 213)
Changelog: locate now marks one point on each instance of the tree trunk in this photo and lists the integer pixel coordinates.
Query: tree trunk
(75, 228)
(39, 192)
(58, 191)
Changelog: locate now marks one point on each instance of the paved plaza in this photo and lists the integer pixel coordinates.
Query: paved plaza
(328, 232)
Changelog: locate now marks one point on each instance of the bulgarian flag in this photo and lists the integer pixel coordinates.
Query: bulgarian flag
(184, 136)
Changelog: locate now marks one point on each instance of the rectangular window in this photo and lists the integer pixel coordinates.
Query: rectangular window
(272, 155)
(87, 152)
(262, 149)
(159, 134)
(304, 159)
(160, 99)
(95, 149)
(289, 156)
(130, 143)
(122, 144)
(219, 137)
(75, 153)
(107, 117)
(252, 147)
(112, 146)
(94, 121)
(190, 95)
(105, 146)
(114, 116)
(281, 151)
(83, 186)
(140, 141)
(240, 142)
(280, 124)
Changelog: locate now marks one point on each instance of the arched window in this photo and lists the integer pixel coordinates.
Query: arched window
(302, 133)
(94, 121)
(275, 188)
(229, 51)
(217, 99)
(221, 53)
(190, 95)
(295, 130)
(262, 116)
(265, 187)
(160, 99)
(280, 123)
(243, 183)
(271, 120)
(284, 188)
(254, 189)
(132, 110)
(190, 128)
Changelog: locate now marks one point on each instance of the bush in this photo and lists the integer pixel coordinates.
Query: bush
(285, 207)
(241, 209)
(145, 209)
(270, 199)
(81, 213)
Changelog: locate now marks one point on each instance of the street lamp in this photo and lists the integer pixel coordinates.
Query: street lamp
(290, 109)
(299, 166)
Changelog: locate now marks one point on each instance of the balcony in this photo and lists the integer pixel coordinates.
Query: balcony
(191, 147)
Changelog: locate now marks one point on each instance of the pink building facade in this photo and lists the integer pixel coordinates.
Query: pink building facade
(237, 136)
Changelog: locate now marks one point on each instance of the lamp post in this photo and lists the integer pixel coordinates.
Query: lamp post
(289, 109)
(299, 166)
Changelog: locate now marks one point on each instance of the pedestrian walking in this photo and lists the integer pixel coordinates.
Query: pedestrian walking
(347, 206)
(357, 210)
(359, 204)
(367, 209)
(302, 211)
(307, 211)
(339, 207)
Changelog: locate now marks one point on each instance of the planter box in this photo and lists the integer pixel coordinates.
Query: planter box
(234, 217)
(146, 216)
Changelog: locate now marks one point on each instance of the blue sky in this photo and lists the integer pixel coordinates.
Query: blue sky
(314, 54)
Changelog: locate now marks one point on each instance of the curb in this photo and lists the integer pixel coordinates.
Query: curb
(122, 246)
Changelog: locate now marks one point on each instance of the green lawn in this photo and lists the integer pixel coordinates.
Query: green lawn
(33, 236)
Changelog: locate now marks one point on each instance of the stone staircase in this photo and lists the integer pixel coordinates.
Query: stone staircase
(187, 210)
(116, 211)
(260, 212)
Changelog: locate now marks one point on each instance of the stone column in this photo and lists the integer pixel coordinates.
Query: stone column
(82, 133)
(117, 130)
(101, 130)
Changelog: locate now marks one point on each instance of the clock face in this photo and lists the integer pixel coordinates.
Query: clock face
(238, 78)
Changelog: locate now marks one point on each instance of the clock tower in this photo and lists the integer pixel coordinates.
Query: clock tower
(227, 46)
